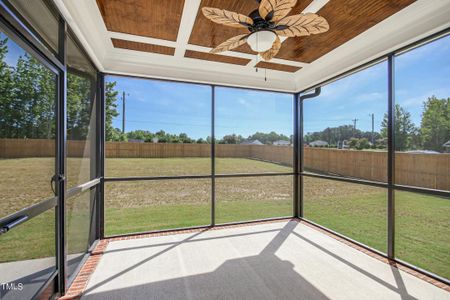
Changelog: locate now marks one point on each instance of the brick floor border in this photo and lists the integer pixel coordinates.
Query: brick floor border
(79, 284)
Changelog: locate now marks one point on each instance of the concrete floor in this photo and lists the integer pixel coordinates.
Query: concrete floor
(283, 260)
(31, 274)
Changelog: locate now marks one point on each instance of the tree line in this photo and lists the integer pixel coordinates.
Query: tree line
(433, 132)
(163, 137)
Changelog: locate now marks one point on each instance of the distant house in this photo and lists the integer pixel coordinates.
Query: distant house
(281, 143)
(447, 147)
(342, 144)
(135, 141)
(318, 143)
(251, 142)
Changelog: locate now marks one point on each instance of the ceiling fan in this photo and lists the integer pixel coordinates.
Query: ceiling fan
(266, 24)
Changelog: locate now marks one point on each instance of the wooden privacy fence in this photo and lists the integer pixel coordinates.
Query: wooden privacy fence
(424, 170)
(22, 148)
(276, 154)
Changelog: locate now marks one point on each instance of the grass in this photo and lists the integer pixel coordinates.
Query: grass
(422, 222)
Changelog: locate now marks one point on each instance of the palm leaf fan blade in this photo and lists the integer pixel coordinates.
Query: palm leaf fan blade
(302, 25)
(275, 10)
(230, 44)
(225, 17)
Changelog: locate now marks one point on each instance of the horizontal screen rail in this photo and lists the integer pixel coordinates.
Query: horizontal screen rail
(146, 178)
(399, 187)
(83, 187)
(346, 179)
(431, 192)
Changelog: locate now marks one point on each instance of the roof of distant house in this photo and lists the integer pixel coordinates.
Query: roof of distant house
(318, 143)
(135, 141)
(447, 144)
(251, 142)
(282, 142)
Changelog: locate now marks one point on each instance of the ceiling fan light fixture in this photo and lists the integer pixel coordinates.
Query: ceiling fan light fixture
(261, 41)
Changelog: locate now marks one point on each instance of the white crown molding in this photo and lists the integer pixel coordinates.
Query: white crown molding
(94, 44)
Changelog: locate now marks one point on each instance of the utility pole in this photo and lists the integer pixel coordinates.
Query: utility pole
(373, 128)
(354, 125)
(123, 112)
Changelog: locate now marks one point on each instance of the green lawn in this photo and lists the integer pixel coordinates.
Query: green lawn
(422, 222)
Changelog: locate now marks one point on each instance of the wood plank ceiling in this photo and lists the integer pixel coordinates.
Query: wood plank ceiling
(130, 45)
(161, 20)
(347, 19)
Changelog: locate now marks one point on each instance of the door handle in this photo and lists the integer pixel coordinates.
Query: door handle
(13, 224)
(53, 180)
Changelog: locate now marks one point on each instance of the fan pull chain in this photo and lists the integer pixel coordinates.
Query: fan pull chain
(265, 74)
(257, 54)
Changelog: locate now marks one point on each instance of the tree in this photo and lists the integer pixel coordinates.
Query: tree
(405, 131)
(112, 134)
(268, 138)
(80, 106)
(336, 135)
(231, 139)
(6, 93)
(33, 100)
(435, 124)
(363, 143)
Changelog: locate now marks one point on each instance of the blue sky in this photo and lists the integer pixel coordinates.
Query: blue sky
(178, 107)
(419, 74)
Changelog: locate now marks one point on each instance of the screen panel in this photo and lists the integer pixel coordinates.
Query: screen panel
(422, 116)
(157, 128)
(354, 210)
(422, 231)
(251, 198)
(345, 127)
(138, 206)
(27, 128)
(253, 131)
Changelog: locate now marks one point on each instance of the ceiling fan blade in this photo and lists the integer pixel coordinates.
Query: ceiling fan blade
(301, 25)
(275, 10)
(230, 44)
(228, 18)
(269, 54)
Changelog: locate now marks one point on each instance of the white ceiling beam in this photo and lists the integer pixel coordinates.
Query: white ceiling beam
(315, 6)
(190, 11)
